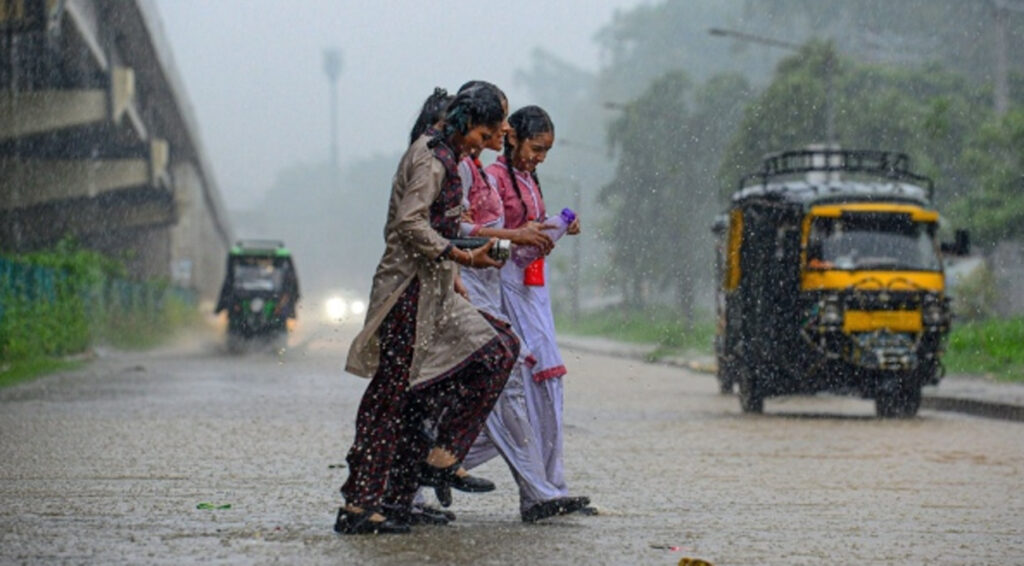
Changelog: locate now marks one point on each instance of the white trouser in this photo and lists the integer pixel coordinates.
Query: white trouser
(509, 432)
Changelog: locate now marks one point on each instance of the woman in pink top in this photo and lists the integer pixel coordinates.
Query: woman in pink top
(528, 307)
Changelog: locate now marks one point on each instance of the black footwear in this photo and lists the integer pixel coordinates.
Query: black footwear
(439, 477)
(427, 515)
(443, 493)
(590, 510)
(349, 523)
(554, 507)
(417, 515)
(430, 509)
(472, 484)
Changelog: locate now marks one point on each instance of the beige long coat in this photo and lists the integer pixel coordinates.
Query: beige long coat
(448, 327)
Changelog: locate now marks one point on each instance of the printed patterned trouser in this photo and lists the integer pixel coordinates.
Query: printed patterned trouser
(390, 444)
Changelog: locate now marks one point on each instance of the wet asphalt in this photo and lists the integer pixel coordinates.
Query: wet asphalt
(108, 464)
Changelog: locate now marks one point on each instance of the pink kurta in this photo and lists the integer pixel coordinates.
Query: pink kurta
(482, 200)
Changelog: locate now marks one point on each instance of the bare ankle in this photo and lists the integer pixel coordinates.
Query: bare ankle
(440, 458)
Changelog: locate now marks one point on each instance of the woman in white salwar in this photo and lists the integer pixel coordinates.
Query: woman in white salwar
(530, 442)
(509, 431)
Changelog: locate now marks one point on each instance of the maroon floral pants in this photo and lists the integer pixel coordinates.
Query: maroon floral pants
(390, 442)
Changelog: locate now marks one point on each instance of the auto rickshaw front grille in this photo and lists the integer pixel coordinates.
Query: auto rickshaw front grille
(877, 301)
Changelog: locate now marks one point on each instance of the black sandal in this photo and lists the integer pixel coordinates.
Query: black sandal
(417, 515)
(433, 476)
(350, 523)
(554, 507)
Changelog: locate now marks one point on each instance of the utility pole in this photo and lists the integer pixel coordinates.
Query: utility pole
(577, 254)
(332, 68)
(1000, 89)
(576, 267)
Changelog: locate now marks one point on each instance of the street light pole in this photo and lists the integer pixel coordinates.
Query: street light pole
(830, 129)
(332, 68)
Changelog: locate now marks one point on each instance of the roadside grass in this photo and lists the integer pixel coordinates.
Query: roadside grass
(993, 346)
(141, 330)
(135, 331)
(25, 370)
(661, 327)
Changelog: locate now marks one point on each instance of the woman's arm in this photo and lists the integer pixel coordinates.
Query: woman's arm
(412, 214)
(529, 234)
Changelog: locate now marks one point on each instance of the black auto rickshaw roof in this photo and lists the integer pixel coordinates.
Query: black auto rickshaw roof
(816, 176)
(260, 248)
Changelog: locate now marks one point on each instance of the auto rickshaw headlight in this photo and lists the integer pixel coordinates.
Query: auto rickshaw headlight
(256, 305)
(831, 312)
(932, 313)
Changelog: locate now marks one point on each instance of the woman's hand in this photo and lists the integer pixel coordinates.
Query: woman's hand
(574, 228)
(532, 234)
(460, 287)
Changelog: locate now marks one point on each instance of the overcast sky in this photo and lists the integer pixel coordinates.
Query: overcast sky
(254, 70)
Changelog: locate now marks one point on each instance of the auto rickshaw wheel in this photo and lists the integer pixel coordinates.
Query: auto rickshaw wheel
(726, 376)
(898, 402)
(751, 396)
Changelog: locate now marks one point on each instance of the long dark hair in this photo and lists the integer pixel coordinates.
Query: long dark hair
(472, 107)
(527, 122)
(484, 84)
(431, 113)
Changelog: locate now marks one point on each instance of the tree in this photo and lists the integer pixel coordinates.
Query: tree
(960, 35)
(928, 113)
(663, 194)
(995, 158)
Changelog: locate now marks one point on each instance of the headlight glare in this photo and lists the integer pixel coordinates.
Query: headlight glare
(336, 308)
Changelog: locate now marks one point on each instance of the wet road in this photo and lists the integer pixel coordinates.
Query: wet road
(108, 464)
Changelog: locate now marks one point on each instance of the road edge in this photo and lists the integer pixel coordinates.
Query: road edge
(929, 400)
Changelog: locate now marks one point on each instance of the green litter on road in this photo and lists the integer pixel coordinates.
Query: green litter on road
(205, 505)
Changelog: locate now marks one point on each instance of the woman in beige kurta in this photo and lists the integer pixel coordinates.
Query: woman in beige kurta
(425, 346)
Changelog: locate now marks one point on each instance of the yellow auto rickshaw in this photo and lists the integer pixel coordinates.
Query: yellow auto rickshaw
(830, 279)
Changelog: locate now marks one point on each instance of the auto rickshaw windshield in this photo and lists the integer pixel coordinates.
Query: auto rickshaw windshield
(877, 241)
(252, 274)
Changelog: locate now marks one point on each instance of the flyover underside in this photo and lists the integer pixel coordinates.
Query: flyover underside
(87, 218)
(91, 130)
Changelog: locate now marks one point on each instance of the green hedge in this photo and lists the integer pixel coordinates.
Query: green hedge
(61, 301)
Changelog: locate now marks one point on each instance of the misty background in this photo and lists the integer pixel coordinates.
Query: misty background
(656, 118)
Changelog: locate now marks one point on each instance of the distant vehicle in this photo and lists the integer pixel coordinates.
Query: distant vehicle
(343, 306)
(830, 279)
(260, 293)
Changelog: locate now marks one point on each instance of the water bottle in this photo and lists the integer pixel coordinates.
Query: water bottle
(557, 226)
